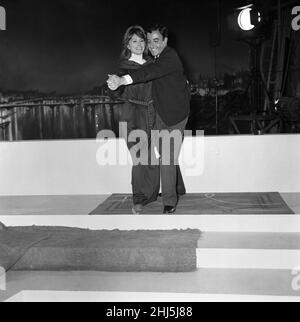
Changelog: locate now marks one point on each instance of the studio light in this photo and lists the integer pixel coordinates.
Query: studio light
(244, 20)
(247, 21)
(249, 18)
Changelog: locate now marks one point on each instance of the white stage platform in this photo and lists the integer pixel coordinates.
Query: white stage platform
(58, 183)
(214, 164)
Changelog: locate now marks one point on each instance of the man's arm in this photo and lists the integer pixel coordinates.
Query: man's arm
(165, 65)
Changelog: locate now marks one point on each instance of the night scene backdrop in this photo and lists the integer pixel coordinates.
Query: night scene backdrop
(65, 49)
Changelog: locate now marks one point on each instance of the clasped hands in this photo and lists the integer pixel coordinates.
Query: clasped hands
(114, 82)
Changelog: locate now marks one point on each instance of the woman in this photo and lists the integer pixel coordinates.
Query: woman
(139, 114)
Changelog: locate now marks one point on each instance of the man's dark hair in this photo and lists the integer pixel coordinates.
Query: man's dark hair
(164, 31)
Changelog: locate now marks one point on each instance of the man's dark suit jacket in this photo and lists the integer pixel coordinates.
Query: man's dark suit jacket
(170, 89)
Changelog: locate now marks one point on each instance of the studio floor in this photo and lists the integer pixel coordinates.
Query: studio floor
(79, 204)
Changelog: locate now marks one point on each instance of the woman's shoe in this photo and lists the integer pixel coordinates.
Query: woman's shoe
(169, 210)
(137, 209)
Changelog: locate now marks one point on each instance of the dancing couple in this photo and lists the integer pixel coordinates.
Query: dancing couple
(156, 98)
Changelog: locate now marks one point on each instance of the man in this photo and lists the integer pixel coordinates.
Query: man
(171, 99)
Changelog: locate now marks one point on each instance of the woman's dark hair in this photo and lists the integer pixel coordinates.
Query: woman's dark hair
(164, 31)
(130, 32)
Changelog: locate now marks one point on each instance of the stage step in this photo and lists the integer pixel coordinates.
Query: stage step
(248, 259)
(117, 297)
(202, 285)
(246, 250)
(237, 249)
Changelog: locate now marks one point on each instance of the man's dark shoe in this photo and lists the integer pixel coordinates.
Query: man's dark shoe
(169, 210)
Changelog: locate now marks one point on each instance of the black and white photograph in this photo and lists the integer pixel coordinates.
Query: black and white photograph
(149, 153)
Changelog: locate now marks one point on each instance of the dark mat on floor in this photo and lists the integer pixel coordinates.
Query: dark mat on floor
(203, 204)
(113, 251)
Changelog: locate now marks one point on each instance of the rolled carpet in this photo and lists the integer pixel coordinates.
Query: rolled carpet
(61, 248)
(14, 245)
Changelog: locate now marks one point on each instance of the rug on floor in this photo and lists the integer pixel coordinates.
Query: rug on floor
(203, 204)
(72, 249)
